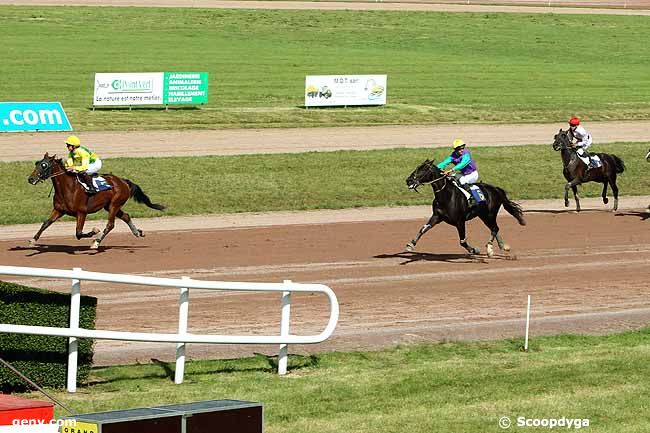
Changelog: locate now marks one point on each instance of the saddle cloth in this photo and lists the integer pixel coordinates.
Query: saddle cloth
(100, 183)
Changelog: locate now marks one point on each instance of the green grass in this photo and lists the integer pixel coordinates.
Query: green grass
(445, 387)
(314, 180)
(442, 67)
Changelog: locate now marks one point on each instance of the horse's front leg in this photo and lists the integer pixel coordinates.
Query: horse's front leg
(81, 220)
(463, 242)
(54, 215)
(109, 226)
(425, 228)
(605, 199)
(574, 187)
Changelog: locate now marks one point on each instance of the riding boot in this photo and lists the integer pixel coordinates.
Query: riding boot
(87, 179)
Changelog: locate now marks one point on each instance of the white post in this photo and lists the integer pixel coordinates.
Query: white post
(527, 324)
(73, 344)
(183, 315)
(284, 331)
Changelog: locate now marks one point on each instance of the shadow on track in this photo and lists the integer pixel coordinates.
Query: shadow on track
(73, 250)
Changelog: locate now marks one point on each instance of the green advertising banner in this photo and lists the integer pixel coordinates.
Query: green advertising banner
(185, 88)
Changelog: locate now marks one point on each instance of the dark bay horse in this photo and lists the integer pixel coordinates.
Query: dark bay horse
(574, 170)
(70, 198)
(450, 205)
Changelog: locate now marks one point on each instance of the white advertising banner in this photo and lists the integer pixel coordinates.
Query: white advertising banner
(128, 88)
(340, 90)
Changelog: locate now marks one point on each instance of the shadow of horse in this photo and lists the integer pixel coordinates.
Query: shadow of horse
(644, 215)
(413, 256)
(73, 250)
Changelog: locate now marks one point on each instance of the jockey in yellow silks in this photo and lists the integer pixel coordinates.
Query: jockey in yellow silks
(83, 161)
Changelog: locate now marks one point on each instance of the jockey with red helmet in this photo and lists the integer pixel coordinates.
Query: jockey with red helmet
(582, 140)
(464, 168)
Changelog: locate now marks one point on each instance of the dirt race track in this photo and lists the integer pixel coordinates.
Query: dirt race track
(586, 272)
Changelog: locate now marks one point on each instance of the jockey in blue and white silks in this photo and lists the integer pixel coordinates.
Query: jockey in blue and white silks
(464, 168)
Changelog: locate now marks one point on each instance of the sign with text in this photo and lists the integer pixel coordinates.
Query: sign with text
(152, 88)
(341, 90)
(33, 116)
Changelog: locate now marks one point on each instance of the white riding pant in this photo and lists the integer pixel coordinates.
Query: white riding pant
(469, 178)
(581, 155)
(94, 167)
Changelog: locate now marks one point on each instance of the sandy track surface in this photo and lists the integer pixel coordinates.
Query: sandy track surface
(254, 141)
(609, 7)
(586, 273)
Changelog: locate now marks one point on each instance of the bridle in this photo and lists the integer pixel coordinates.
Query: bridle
(47, 173)
(433, 181)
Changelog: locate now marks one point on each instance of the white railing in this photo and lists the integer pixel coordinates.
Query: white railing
(76, 275)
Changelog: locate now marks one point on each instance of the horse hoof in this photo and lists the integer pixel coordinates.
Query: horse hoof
(140, 233)
(475, 251)
(95, 245)
(506, 247)
(410, 247)
(489, 249)
(32, 242)
(566, 203)
(605, 200)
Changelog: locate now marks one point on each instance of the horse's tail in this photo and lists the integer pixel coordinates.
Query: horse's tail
(618, 162)
(511, 207)
(141, 197)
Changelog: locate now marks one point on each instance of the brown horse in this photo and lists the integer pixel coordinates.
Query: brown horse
(70, 198)
(575, 171)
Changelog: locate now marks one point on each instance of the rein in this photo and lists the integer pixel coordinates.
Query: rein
(444, 176)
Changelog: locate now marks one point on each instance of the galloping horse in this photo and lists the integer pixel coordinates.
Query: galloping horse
(574, 170)
(450, 206)
(70, 198)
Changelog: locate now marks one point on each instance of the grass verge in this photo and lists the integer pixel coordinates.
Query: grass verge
(445, 387)
(314, 180)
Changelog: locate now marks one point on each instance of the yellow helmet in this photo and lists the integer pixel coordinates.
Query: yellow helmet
(73, 141)
(458, 143)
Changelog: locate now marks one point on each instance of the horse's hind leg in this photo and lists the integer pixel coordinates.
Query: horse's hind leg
(425, 228)
(463, 242)
(81, 220)
(54, 215)
(127, 219)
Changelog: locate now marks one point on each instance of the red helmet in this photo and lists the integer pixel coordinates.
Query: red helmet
(574, 121)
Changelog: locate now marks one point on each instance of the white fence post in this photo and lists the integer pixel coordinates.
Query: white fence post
(73, 344)
(527, 324)
(284, 331)
(183, 316)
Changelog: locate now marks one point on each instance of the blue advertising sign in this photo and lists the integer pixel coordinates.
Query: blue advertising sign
(33, 116)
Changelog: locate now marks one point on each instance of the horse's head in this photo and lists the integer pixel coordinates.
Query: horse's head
(423, 174)
(561, 140)
(43, 170)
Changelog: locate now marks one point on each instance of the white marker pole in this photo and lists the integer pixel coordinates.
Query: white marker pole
(527, 324)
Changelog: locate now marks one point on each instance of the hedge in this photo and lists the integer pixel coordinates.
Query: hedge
(43, 359)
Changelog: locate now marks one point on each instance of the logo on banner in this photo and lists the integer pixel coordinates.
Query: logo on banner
(33, 116)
